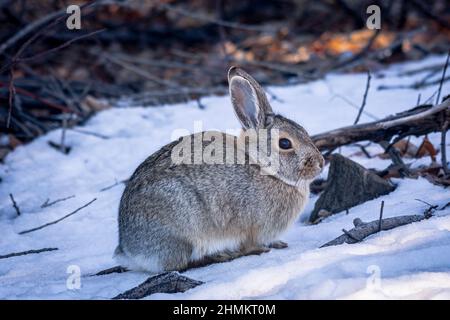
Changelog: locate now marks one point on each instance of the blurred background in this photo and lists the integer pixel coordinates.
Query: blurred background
(168, 51)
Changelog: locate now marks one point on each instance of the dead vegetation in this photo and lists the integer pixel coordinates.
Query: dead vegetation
(158, 52)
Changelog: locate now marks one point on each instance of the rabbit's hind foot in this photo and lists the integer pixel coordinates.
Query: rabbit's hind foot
(278, 244)
(254, 250)
(229, 255)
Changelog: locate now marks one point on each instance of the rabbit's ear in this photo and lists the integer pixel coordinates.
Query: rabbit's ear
(248, 99)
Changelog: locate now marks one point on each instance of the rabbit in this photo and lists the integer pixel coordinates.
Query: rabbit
(176, 216)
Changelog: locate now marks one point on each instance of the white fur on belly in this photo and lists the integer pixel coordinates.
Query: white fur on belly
(205, 247)
(139, 262)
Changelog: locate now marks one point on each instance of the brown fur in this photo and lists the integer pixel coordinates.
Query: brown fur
(173, 216)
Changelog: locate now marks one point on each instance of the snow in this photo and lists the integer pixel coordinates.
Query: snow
(409, 262)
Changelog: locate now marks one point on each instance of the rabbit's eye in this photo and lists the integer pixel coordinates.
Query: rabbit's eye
(284, 143)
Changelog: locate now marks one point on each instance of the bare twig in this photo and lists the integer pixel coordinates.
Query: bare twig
(432, 68)
(47, 202)
(416, 85)
(423, 201)
(431, 208)
(62, 46)
(444, 147)
(113, 185)
(445, 122)
(353, 105)
(360, 54)
(380, 221)
(56, 17)
(396, 158)
(222, 32)
(36, 97)
(204, 18)
(427, 12)
(355, 14)
(89, 133)
(364, 150)
(441, 82)
(363, 104)
(16, 207)
(16, 254)
(160, 63)
(36, 25)
(39, 24)
(63, 134)
(140, 71)
(58, 220)
(57, 146)
(445, 206)
(418, 99)
(12, 95)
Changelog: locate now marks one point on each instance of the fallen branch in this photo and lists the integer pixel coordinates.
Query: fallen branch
(362, 230)
(168, 282)
(58, 220)
(417, 121)
(16, 254)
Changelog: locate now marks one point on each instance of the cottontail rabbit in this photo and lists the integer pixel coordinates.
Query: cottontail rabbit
(176, 215)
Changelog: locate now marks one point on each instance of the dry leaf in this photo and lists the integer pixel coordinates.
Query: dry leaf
(91, 103)
(404, 147)
(13, 141)
(426, 148)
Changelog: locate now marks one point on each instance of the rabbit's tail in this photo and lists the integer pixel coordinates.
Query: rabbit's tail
(122, 258)
(137, 263)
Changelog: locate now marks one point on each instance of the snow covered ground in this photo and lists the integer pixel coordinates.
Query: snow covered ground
(412, 261)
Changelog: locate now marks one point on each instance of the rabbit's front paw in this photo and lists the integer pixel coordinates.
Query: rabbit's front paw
(278, 244)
